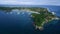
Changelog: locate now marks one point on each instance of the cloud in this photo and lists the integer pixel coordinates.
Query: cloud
(30, 2)
(15, 2)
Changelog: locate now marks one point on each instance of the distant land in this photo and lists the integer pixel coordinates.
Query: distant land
(26, 5)
(40, 18)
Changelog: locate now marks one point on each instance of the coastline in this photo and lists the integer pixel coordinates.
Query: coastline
(41, 27)
(37, 12)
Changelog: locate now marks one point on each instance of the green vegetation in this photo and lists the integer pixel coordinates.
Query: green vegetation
(39, 19)
(7, 9)
(43, 17)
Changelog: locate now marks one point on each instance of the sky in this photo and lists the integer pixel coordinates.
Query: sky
(30, 2)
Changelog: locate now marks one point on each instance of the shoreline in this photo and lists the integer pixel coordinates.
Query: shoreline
(41, 27)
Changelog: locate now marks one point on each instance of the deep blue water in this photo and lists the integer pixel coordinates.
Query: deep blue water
(23, 24)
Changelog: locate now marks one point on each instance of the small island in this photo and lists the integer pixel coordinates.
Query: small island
(40, 17)
(44, 17)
